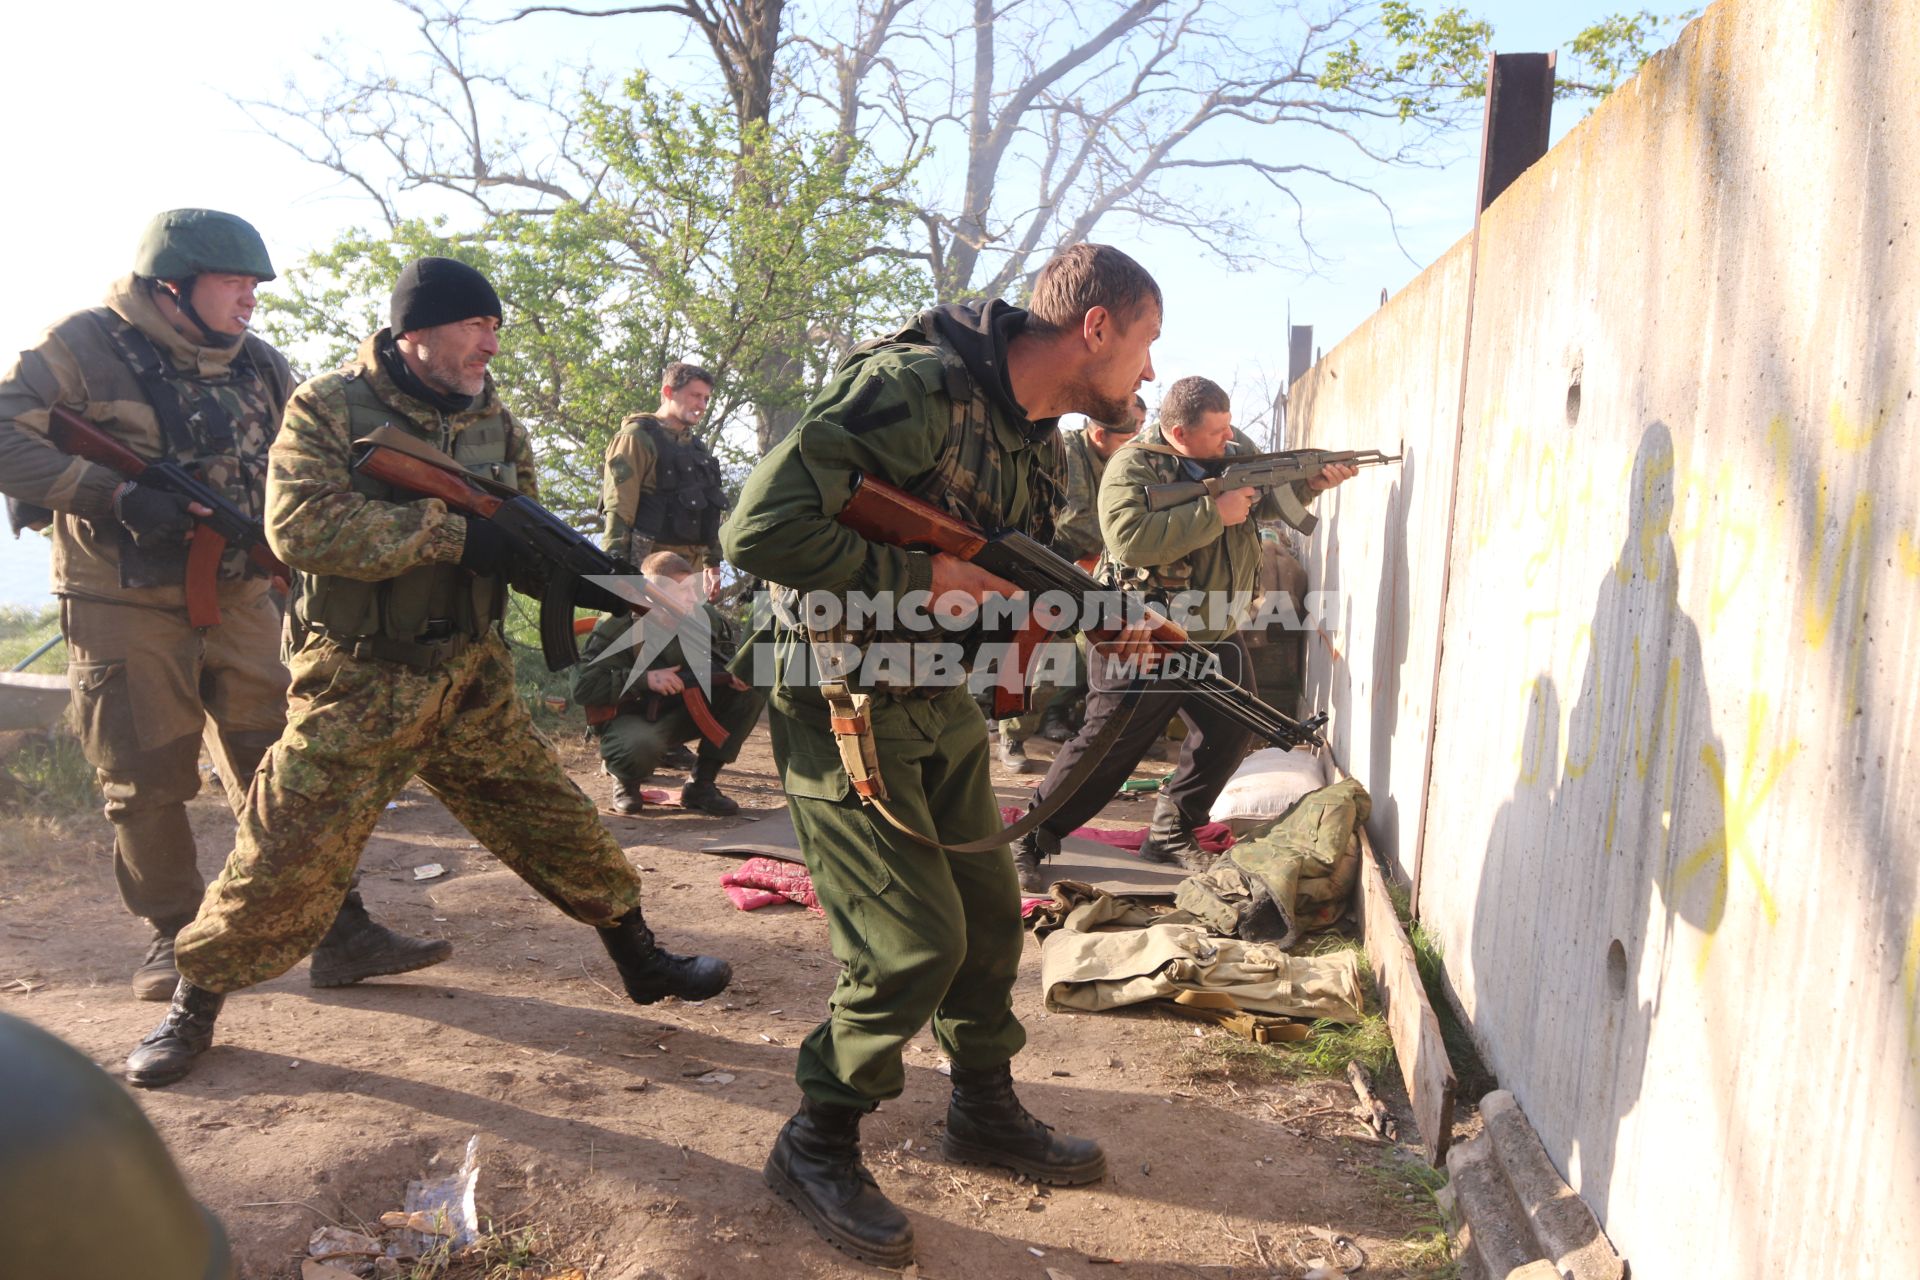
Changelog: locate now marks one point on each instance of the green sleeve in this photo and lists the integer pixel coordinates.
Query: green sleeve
(886, 417)
(1143, 539)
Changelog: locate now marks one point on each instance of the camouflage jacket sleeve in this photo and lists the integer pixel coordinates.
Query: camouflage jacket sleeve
(31, 468)
(627, 476)
(1076, 527)
(887, 417)
(1142, 538)
(317, 523)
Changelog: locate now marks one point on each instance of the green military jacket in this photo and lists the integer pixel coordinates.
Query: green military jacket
(321, 522)
(628, 475)
(230, 396)
(904, 412)
(1185, 548)
(1076, 529)
(600, 678)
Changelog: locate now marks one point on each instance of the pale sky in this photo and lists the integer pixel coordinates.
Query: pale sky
(116, 110)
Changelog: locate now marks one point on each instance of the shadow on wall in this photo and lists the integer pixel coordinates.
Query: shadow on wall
(1390, 626)
(1602, 846)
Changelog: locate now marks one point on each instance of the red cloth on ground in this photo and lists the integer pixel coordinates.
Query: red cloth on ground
(1213, 837)
(762, 882)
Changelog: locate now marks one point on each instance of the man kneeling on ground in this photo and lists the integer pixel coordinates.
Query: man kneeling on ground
(643, 695)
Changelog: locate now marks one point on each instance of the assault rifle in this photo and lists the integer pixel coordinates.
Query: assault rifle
(1275, 471)
(881, 513)
(227, 526)
(551, 561)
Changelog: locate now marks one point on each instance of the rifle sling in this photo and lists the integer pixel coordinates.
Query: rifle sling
(853, 730)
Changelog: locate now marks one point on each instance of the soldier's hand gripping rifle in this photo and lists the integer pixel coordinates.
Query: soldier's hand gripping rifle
(1275, 471)
(225, 524)
(551, 560)
(881, 513)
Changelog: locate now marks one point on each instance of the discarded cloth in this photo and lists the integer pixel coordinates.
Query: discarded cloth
(1294, 877)
(762, 882)
(1093, 971)
(1213, 837)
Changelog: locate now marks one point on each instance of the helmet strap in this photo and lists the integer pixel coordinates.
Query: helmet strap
(183, 299)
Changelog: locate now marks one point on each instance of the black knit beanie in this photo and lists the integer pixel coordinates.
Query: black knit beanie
(436, 291)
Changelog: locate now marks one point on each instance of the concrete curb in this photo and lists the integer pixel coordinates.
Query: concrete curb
(1515, 1218)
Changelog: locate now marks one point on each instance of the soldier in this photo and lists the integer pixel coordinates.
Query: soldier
(1209, 547)
(1076, 535)
(168, 368)
(399, 669)
(635, 721)
(660, 487)
(960, 409)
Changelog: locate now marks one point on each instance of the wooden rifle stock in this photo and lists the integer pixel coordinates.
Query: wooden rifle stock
(75, 436)
(879, 512)
(417, 476)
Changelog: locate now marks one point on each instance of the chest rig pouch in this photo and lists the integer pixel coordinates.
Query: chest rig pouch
(218, 427)
(430, 614)
(687, 499)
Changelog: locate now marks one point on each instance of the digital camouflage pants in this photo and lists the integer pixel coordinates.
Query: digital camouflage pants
(357, 730)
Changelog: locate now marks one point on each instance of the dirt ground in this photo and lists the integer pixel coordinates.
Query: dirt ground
(597, 1131)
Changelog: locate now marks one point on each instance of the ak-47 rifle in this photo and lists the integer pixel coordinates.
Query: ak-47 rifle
(881, 513)
(227, 526)
(552, 561)
(1275, 471)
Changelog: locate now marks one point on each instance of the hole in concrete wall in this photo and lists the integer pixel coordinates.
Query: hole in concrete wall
(1573, 399)
(1617, 969)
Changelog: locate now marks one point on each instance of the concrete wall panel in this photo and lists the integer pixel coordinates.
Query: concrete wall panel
(1673, 826)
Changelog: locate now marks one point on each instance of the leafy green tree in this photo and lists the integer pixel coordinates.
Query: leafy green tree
(1431, 64)
(739, 245)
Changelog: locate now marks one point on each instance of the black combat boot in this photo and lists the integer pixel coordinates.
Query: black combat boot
(356, 948)
(701, 795)
(1012, 756)
(1029, 851)
(987, 1125)
(676, 758)
(815, 1166)
(156, 977)
(168, 1052)
(1170, 839)
(626, 798)
(651, 974)
(1054, 724)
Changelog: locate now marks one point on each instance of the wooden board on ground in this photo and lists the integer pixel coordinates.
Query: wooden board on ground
(1088, 861)
(1424, 1064)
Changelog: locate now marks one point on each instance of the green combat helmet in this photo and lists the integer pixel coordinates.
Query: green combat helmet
(182, 243)
(86, 1186)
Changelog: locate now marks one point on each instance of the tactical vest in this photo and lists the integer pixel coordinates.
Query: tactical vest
(965, 482)
(687, 501)
(969, 476)
(219, 428)
(431, 613)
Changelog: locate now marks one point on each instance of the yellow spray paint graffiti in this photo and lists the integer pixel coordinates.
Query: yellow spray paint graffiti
(1761, 766)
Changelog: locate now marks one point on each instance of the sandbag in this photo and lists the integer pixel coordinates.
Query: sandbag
(1266, 785)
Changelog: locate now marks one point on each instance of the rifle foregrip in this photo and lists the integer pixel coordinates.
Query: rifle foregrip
(879, 512)
(389, 466)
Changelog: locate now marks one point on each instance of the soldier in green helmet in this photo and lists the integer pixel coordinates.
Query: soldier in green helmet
(960, 409)
(167, 367)
(400, 669)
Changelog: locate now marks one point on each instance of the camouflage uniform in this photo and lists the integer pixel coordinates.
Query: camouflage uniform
(146, 684)
(368, 711)
(920, 933)
(630, 481)
(640, 725)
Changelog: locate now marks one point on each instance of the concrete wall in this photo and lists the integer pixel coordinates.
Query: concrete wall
(1673, 827)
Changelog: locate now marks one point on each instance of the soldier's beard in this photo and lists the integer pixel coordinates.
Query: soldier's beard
(1100, 406)
(449, 372)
